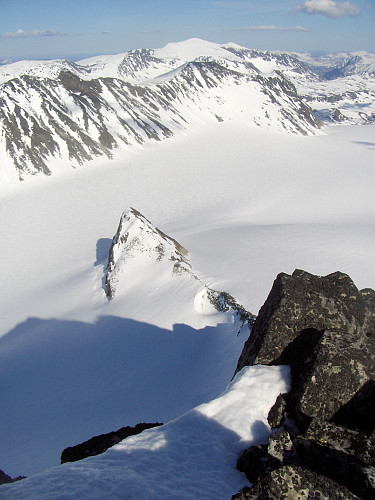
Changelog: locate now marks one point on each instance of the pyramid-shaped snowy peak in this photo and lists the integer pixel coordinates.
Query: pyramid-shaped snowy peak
(138, 245)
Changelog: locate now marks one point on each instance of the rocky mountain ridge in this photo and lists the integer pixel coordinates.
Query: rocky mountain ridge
(59, 112)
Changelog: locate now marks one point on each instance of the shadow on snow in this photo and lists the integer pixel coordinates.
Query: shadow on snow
(61, 382)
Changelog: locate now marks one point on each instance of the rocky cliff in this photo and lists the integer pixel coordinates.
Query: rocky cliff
(323, 327)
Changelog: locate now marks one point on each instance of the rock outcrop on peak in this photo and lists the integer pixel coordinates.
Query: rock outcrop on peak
(323, 327)
(138, 242)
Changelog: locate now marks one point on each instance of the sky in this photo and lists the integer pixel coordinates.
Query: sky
(74, 29)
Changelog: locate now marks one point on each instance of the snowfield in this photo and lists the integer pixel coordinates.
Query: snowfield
(247, 204)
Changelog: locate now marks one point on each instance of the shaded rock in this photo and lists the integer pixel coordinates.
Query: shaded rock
(344, 455)
(259, 460)
(5, 479)
(99, 444)
(328, 369)
(256, 462)
(295, 482)
(359, 412)
(277, 413)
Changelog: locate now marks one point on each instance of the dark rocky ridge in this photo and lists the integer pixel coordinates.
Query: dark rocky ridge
(99, 444)
(323, 327)
(5, 479)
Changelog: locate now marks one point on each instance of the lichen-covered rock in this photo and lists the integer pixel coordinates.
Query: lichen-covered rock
(276, 414)
(344, 455)
(256, 462)
(302, 301)
(281, 447)
(359, 412)
(259, 460)
(323, 327)
(293, 482)
(328, 369)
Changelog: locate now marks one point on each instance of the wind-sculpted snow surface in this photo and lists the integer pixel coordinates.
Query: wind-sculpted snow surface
(60, 112)
(193, 456)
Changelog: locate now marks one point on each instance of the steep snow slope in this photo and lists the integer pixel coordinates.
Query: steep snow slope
(246, 204)
(191, 457)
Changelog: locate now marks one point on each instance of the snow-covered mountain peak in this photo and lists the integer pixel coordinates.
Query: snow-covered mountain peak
(191, 49)
(136, 246)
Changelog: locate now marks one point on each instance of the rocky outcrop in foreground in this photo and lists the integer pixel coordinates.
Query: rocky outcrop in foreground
(324, 328)
(99, 444)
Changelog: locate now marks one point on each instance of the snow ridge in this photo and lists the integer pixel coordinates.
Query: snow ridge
(137, 245)
(57, 112)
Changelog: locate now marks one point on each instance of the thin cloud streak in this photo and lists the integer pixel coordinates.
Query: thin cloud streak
(30, 34)
(148, 32)
(272, 28)
(328, 8)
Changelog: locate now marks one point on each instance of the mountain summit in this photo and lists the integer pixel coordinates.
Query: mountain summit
(136, 246)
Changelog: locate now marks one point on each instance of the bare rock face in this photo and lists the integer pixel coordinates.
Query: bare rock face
(5, 479)
(294, 482)
(99, 444)
(323, 327)
(302, 301)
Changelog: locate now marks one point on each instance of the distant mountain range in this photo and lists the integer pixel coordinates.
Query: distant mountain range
(60, 112)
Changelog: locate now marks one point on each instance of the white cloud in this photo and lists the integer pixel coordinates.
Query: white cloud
(272, 28)
(328, 8)
(29, 34)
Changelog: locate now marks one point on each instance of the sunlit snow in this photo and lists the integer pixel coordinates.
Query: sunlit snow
(246, 203)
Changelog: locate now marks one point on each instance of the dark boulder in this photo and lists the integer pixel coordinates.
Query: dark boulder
(276, 414)
(5, 479)
(328, 369)
(256, 462)
(99, 444)
(259, 460)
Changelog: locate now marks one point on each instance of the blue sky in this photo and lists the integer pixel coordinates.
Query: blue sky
(78, 28)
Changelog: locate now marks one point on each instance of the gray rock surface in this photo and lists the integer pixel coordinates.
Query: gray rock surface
(323, 327)
(293, 482)
(302, 301)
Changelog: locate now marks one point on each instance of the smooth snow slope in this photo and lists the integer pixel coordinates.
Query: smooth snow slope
(191, 457)
(247, 204)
